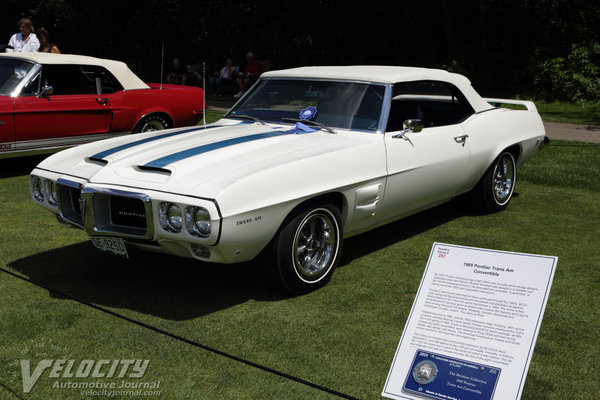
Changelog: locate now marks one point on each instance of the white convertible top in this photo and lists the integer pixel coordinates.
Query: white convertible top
(384, 74)
(119, 69)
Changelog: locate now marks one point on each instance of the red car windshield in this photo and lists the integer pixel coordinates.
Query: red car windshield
(12, 72)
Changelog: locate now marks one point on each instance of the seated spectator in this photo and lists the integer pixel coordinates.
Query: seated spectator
(265, 65)
(222, 78)
(249, 74)
(25, 40)
(178, 76)
(46, 46)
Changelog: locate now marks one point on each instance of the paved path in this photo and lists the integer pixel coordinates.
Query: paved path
(581, 133)
(554, 130)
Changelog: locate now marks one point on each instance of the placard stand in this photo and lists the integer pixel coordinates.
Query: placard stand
(473, 325)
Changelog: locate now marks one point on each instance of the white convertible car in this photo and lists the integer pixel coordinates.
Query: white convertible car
(306, 158)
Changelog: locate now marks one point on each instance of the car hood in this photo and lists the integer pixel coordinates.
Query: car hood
(206, 162)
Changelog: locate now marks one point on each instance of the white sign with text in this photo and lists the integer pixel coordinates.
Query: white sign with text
(473, 325)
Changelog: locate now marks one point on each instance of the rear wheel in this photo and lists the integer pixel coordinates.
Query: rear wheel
(307, 248)
(152, 122)
(498, 184)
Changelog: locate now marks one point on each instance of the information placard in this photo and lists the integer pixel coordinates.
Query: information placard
(473, 325)
(442, 377)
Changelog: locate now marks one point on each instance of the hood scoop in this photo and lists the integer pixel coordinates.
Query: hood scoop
(149, 168)
(97, 160)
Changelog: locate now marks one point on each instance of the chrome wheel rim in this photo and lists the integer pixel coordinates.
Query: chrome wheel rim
(315, 245)
(152, 126)
(504, 179)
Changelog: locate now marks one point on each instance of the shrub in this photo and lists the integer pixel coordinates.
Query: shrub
(575, 78)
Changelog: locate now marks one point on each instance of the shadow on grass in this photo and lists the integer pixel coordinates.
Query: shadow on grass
(18, 166)
(168, 287)
(179, 289)
(9, 390)
(386, 235)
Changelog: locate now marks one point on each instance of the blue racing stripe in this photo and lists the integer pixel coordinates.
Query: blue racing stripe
(166, 160)
(102, 154)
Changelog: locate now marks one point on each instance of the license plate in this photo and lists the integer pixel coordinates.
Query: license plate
(110, 245)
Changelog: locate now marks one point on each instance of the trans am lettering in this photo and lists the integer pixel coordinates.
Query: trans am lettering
(248, 220)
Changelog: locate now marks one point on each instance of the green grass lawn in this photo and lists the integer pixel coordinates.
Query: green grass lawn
(585, 114)
(213, 115)
(342, 336)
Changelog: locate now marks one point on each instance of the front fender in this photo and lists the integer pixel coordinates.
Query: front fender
(304, 178)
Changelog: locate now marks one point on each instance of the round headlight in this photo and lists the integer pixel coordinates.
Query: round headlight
(197, 221)
(36, 189)
(50, 187)
(171, 218)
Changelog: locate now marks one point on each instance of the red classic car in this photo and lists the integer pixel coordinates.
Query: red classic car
(50, 101)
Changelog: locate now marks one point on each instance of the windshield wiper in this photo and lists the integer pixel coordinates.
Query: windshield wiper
(309, 122)
(246, 116)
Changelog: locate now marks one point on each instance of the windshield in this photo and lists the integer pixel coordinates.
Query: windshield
(12, 73)
(343, 105)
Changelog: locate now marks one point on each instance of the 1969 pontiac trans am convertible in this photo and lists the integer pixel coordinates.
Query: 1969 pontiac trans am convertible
(307, 157)
(50, 101)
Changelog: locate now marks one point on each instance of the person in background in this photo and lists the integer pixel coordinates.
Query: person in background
(178, 76)
(224, 77)
(46, 46)
(25, 40)
(249, 74)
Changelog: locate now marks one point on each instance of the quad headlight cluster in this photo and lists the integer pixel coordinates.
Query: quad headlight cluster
(44, 189)
(195, 219)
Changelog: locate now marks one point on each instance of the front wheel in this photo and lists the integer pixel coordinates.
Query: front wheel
(307, 248)
(153, 122)
(498, 184)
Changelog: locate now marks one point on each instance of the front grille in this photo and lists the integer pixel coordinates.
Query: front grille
(75, 198)
(69, 203)
(127, 212)
(114, 213)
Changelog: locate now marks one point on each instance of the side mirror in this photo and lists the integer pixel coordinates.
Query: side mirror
(410, 125)
(47, 90)
(413, 125)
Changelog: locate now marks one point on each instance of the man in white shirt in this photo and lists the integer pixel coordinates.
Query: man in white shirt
(25, 40)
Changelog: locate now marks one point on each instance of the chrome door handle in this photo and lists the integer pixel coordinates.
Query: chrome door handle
(102, 100)
(461, 139)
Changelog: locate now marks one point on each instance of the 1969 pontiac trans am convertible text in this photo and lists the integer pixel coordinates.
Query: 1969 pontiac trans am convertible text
(307, 157)
(50, 101)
